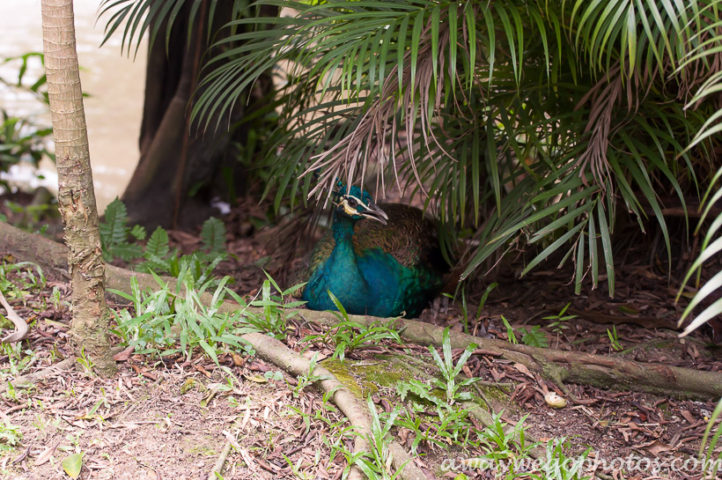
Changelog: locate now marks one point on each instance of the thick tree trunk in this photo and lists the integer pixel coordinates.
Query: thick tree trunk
(76, 196)
(182, 166)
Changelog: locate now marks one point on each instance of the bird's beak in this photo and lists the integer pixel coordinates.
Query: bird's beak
(375, 213)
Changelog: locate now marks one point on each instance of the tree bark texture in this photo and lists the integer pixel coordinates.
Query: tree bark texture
(76, 197)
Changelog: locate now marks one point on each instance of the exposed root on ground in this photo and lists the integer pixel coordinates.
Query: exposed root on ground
(283, 357)
(556, 365)
(21, 327)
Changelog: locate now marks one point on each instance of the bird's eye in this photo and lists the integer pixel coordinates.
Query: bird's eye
(352, 202)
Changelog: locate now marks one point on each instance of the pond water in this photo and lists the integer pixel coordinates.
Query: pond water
(115, 84)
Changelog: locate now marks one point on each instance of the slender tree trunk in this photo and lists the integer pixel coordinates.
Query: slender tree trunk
(76, 197)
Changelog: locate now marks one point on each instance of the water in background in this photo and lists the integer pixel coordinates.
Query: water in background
(115, 85)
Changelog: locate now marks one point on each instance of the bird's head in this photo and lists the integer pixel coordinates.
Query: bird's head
(357, 204)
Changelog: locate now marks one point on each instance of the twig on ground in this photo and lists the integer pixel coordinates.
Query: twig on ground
(21, 327)
(218, 467)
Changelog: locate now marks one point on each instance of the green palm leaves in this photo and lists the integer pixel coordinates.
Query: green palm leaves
(528, 123)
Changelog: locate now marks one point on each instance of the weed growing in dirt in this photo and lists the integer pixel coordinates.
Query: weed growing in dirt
(614, 338)
(559, 324)
(349, 336)
(19, 360)
(86, 362)
(10, 435)
(451, 424)
(164, 318)
(444, 427)
(708, 456)
(275, 311)
(449, 371)
(375, 463)
(165, 322)
(509, 331)
(308, 379)
(18, 280)
(559, 466)
(532, 337)
(411, 419)
(502, 443)
(464, 308)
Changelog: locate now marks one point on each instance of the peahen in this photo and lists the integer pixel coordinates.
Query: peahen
(383, 260)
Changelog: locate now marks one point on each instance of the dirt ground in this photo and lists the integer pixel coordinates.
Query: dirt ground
(170, 418)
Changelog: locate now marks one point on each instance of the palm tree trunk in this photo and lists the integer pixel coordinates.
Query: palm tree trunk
(76, 197)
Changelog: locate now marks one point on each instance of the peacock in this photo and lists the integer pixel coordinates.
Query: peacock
(382, 260)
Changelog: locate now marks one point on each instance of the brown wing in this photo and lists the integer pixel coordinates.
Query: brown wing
(409, 236)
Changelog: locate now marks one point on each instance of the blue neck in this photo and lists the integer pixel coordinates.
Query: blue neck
(346, 280)
(342, 228)
(343, 257)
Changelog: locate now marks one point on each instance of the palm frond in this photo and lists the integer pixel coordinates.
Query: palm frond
(533, 122)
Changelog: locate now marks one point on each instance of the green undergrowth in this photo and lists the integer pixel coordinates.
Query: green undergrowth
(434, 406)
(167, 321)
(121, 241)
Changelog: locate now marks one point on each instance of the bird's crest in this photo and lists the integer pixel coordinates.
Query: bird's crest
(355, 191)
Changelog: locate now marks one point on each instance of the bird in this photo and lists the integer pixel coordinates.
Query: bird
(380, 260)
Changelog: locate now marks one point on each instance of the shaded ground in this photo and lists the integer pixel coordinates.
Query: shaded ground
(170, 419)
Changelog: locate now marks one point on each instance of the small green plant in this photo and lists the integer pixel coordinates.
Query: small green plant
(449, 372)
(275, 311)
(509, 331)
(502, 443)
(484, 297)
(56, 298)
(309, 378)
(614, 338)
(411, 419)
(273, 375)
(10, 392)
(375, 463)
(453, 426)
(711, 465)
(534, 337)
(148, 328)
(118, 240)
(559, 324)
(10, 434)
(85, 362)
(421, 390)
(19, 360)
(558, 466)
(349, 336)
(19, 280)
(114, 234)
(167, 322)
(464, 308)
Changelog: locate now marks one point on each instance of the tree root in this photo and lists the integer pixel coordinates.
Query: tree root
(21, 326)
(561, 366)
(218, 467)
(555, 365)
(280, 355)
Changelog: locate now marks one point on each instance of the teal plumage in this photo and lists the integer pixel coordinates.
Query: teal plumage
(377, 260)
